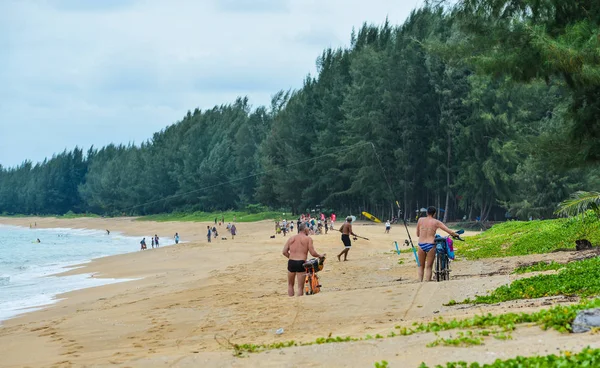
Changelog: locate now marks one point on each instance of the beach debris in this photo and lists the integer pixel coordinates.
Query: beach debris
(279, 331)
(586, 320)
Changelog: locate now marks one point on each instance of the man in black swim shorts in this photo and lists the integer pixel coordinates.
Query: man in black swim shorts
(296, 249)
(346, 231)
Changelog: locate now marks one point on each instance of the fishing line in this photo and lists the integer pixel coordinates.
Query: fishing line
(383, 171)
(251, 176)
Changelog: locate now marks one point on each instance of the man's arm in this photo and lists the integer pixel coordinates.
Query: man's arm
(312, 250)
(445, 228)
(286, 248)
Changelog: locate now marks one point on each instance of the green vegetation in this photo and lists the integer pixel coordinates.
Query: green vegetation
(449, 136)
(464, 339)
(586, 358)
(517, 238)
(579, 203)
(241, 216)
(382, 364)
(581, 278)
(539, 266)
(558, 318)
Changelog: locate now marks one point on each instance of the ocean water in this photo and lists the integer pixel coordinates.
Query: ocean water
(26, 267)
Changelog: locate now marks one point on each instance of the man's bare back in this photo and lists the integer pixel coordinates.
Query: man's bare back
(298, 246)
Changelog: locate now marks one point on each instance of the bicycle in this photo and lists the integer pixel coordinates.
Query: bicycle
(444, 252)
(311, 282)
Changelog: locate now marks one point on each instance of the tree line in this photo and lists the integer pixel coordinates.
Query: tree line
(485, 109)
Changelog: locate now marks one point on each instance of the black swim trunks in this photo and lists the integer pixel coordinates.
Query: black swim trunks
(346, 240)
(295, 266)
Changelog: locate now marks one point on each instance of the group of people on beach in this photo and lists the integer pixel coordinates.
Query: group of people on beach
(155, 241)
(316, 225)
(297, 248)
(213, 232)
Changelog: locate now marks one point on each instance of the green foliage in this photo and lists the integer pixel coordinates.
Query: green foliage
(463, 339)
(588, 357)
(516, 238)
(581, 278)
(382, 364)
(539, 266)
(531, 40)
(210, 216)
(579, 203)
(558, 318)
(444, 135)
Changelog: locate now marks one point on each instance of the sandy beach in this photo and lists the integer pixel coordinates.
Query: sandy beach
(190, 302)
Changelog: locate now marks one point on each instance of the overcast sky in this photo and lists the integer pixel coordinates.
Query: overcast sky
(92, 72)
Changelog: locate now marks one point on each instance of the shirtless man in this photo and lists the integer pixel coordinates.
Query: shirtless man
(296, 250)
(426, 228)
(346, 231)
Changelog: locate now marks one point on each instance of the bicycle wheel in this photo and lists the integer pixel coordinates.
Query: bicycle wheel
(444, 262)
(315, 284)
(438, 267)
(312, 282)
(307, 284)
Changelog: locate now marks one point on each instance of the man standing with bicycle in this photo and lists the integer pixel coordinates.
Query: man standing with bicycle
(426, 229)
(296, 249)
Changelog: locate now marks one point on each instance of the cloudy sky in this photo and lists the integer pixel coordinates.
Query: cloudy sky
(92, 72)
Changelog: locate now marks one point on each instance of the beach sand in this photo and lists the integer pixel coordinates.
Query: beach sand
(190, 303)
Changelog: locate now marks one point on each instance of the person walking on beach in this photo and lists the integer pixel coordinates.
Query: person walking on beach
(426, 229)
(156, 240)
(143, 244)
(152, 242)
(233, 231)
(176, 237)
(387, 227)
(296, 250)
(346, 230)
(209, 234)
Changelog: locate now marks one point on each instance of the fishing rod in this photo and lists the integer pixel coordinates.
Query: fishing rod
(406, 242)
(355, 236)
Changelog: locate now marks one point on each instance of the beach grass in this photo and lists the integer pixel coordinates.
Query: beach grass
(518, 238)
(240, 216)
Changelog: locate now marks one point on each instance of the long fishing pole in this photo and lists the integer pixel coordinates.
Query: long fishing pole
(397, 203)
(356, 236)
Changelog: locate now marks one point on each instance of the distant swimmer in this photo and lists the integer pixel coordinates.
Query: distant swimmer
(107, 232)
(38, 240)
(156, 240)
(296, 249)
(143, 244)
(176, 237)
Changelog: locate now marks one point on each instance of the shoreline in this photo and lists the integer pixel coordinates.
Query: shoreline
(72, 275)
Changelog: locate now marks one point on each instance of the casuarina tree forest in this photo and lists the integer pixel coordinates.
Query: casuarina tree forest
(483, 108)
